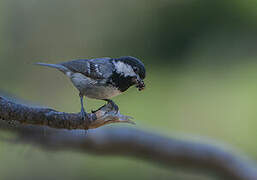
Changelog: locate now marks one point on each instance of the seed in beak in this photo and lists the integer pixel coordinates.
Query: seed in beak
(141, 85)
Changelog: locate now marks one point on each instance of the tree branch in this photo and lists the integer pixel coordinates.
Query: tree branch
(118, 141)
(52, 118)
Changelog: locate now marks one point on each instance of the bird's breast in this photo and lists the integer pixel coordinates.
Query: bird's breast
(96, 89)
(101, 92)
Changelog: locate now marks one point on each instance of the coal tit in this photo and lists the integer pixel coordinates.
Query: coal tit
(103, 78)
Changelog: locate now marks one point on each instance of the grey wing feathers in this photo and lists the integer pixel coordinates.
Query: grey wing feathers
(99, 68)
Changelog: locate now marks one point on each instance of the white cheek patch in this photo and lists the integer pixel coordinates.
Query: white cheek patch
(68, 74)
(124, 69)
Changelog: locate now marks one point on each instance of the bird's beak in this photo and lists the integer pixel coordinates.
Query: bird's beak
(140, 85)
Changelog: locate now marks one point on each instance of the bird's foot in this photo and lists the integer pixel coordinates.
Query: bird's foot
(114, 106)
(85, 116)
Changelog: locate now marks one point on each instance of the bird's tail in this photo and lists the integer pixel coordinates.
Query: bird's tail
(56, 66)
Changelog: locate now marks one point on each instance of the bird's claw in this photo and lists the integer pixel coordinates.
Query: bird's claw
(85, 116)
(114, 106)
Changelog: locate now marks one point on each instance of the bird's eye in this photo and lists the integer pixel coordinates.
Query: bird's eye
(136, 70)
(134, 79)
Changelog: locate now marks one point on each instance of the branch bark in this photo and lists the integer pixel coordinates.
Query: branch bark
(48, 117)
(118, 141)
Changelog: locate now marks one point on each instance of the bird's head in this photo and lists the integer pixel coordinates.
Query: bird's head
(132, 69)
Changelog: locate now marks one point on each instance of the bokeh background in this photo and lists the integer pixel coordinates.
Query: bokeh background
(201, 60)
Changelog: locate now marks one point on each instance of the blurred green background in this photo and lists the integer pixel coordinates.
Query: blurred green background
(200, 57)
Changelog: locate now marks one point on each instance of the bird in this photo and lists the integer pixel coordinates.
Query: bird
(102, 78)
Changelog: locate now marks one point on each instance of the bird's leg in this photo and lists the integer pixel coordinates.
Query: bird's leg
(83, 112)
(114, 106)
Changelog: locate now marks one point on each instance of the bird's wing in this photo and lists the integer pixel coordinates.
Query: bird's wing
(99, 68)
